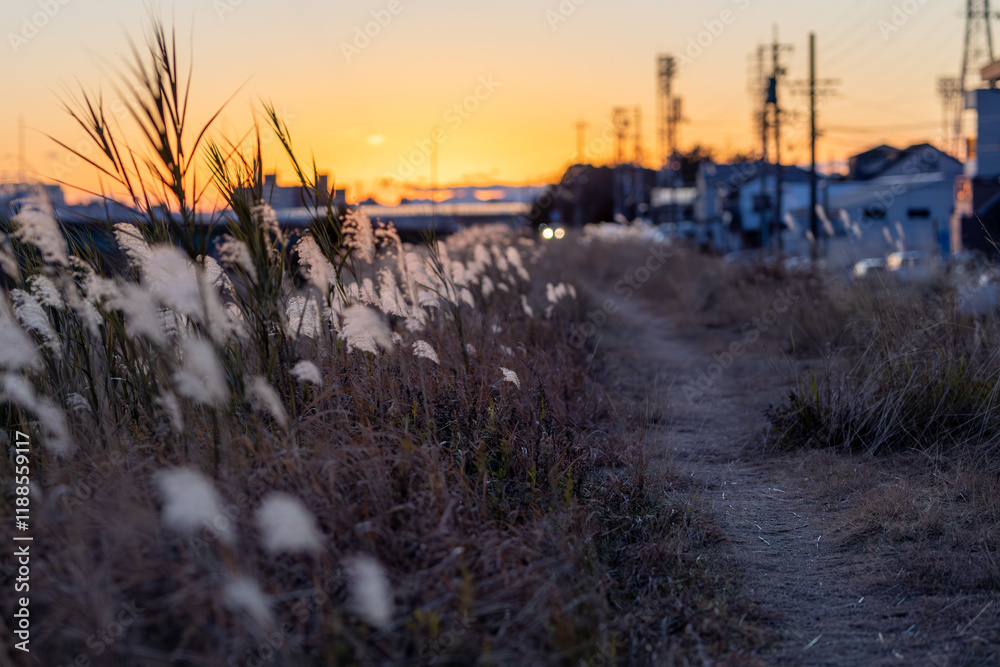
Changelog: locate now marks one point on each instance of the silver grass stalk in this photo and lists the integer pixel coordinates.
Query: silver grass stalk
(286, 526)
(34, 319)
(243, 594)
(514, 258)
(46, 292)
(304, 317)
(142, 318)
(510, 376)
(8, 262)
(391, 299)
(266, 399)
(168, 401)
(171, 277)
(365, 329)
(35, 225)
(191, 503)
(359, 234)
(370, 595)
(306, 371)
(423, 349)
(369, 296)
(486, 287)
(465, 296)
(527, 308)
(321, 273)
(131, 240)
(234, 253)
(17, 350)
(200, 377)
(51, 419)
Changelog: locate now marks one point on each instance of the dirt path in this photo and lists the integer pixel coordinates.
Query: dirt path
(816, 597)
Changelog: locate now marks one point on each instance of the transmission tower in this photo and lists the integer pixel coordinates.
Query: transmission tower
(976, 53)
(620, 122)
(949, 89)
(978, 49)
(667, 68)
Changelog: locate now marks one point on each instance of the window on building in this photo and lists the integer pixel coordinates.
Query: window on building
(918, 213)
(875, 212)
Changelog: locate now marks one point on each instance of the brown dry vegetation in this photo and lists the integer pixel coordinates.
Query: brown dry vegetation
(514, 523)
(890, 431)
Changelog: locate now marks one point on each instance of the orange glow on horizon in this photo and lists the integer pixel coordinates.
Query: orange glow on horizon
(452, 95)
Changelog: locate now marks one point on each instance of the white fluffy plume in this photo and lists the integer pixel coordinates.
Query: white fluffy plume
(369, 590)
(169, 276)
(510, 376)
(423, 349)
(36, 225)
(51, 419)
(365, 329)
(244, 594)
(266, 399)
(191, 503)
(200, 377)
(306, 371)
(286, 525)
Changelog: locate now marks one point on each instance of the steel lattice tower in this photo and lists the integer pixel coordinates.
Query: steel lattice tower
(978, 49)
(666, 70)
(977, 52)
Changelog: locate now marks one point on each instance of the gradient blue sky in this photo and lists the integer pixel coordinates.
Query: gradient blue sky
(362, 115)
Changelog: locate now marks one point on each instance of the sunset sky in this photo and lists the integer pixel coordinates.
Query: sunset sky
(522, 72)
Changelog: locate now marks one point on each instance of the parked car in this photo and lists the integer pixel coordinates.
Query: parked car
(866, 268)
(909, 265)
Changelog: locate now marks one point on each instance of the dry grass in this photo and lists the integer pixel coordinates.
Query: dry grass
(929, 527)
(513, 522)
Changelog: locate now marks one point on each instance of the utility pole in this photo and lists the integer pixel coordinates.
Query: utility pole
(620, 122)
(777, 72)
(637, 175)
(762, 93)
(814, 88)
(813, 216)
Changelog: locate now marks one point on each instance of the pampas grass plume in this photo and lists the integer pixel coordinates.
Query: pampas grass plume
(365, 329)
(191, 503)
(510, 376)
(200, 377)
(287, 526)
(370, 594)
(306, 371)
